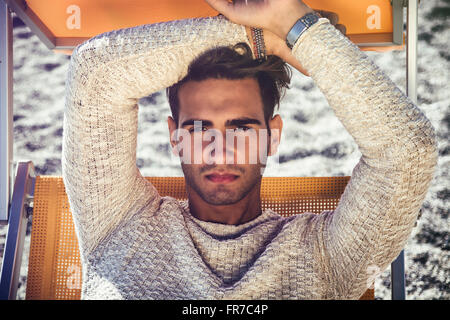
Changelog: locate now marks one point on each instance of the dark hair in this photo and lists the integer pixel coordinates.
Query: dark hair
(273, 74)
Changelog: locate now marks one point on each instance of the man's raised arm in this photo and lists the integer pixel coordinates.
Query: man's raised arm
(379, 207)
(107, 76)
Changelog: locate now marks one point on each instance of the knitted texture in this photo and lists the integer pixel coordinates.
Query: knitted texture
(136, 244)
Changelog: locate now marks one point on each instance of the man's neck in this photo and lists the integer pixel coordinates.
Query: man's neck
(237, 213)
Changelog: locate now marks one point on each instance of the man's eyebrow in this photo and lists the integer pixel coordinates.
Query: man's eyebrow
(242, 121)
(228, 123)
(190, 122)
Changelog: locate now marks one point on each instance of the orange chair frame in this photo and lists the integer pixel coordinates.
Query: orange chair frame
(54, 270)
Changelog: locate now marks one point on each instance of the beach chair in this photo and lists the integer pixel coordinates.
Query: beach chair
(54, 267)
(54, 270)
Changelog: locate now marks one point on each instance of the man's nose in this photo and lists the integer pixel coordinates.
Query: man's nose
(216, 149)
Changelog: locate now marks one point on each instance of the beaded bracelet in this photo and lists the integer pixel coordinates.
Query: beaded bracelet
(258, 43)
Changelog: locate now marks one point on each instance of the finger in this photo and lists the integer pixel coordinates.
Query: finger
(341, 28)
(225, 7)
(332, 16)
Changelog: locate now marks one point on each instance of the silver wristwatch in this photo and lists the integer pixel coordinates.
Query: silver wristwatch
(301, 26)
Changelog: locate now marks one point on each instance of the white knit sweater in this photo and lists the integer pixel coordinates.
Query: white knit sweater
(136, 244)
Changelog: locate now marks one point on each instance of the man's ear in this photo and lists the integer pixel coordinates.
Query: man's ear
(276, 125)
(172, 130)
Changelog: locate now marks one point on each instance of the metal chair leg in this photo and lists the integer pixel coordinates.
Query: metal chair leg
(398, 266)
(22, 201)
(6, 111)
(398, 278)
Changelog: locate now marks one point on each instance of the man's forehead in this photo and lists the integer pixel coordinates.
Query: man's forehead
(223, 82)
(219, 98)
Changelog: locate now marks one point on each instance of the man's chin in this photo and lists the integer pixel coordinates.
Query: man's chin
(220, 198)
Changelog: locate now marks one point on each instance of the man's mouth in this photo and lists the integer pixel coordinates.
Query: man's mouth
(221, 177)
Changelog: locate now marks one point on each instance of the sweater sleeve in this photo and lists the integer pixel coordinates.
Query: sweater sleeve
(379, 206)
(107, 76)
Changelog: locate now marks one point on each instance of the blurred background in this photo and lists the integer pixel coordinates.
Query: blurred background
(314, 142)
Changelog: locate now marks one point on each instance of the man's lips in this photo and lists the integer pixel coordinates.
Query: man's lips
(221, 177)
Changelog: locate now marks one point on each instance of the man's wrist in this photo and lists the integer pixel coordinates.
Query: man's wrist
(300, 27)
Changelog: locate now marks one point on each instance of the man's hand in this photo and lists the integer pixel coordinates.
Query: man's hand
(276, 16)
(277, 46)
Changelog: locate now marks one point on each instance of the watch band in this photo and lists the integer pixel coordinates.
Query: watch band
(301, 26)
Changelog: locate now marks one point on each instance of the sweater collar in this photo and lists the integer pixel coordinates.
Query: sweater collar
(227, 230)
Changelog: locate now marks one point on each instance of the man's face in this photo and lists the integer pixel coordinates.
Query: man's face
(223, 172)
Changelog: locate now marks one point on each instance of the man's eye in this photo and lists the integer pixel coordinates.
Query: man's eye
(241, 129)
(197, 129)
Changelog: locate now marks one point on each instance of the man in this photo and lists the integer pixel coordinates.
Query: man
(219, 244)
